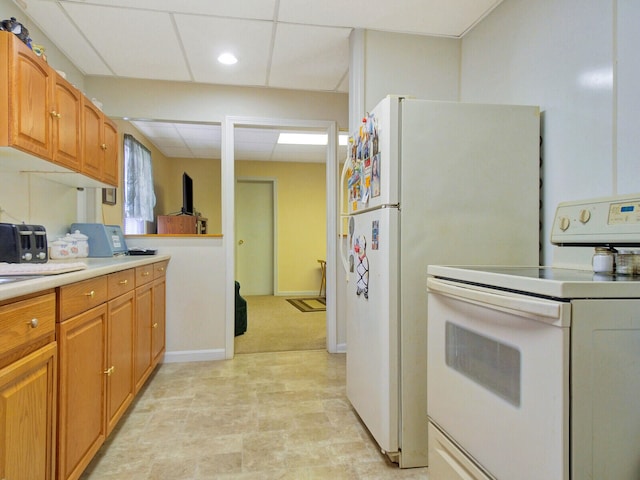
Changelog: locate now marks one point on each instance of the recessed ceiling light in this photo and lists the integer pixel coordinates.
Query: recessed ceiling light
(227, 59)
(308, 139)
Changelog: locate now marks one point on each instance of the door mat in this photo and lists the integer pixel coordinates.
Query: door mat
(315, 304)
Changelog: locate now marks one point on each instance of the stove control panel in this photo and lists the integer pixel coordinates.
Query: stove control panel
(601, 221)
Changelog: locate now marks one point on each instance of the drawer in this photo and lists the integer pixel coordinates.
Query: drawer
(448, 462)
(121, 282)
(25, 321)
(160, 269)
(82, 296)
(144, 274)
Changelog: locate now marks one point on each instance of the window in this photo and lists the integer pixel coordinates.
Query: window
(139, 197)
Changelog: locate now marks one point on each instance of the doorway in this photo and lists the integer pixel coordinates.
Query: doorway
(228, 179)
(255, 236)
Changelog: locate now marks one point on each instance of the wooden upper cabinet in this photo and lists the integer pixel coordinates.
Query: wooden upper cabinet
(110, 149)
(31, 90)
(100, 145)
(66, 116)
(92, 139)
(46, 117)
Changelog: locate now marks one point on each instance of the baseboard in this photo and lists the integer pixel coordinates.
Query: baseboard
(341, 348)
(194, 356)
(296, 294)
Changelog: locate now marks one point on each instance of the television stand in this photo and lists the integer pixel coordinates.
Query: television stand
(182, 225)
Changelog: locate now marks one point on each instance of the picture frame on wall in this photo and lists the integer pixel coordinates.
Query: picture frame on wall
(109, 196)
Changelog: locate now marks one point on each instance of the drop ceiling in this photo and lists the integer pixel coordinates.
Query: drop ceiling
(292, 44)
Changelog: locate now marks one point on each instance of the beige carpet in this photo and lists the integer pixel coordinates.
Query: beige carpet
(274, 325)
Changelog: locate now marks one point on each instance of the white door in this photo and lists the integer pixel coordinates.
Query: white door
(372, 323)
(254, 237)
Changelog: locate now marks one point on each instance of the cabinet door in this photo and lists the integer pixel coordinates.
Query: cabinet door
(92, 139)
(144, 317)
(81, 418)
(159, 312)
(120, 332)
(110, 150)
(32, 83)
(27, 414)
(66, 125)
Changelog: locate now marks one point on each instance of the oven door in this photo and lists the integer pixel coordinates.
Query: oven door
(498, 378)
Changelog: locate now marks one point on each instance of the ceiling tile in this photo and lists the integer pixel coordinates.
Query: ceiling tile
(425, 17)
(56, 25)
(205, 38)
(257, 9)
(313, 58)
(134, 43)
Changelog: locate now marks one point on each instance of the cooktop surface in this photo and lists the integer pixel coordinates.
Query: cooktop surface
(563, 283)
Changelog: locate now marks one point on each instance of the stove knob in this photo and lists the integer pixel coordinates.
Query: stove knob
(42, 255)
(564, 223)
(27, 256)
(585, 216)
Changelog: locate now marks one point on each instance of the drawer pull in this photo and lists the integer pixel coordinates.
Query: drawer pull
(109, 371)
(55, 114)
(146, 274)
(91, 294)
(161, 269)
(155, 325)
(124, 282)
(33, 323)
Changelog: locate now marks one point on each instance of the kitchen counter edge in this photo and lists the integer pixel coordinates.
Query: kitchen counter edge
(95, 268)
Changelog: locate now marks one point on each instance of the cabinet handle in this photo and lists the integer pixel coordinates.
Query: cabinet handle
(55, 114)
(109, 371)
(161, 269)
(33, 323)
(124, 282)
(155, 325)
(146, 274)
(103, 146)
(91, 294)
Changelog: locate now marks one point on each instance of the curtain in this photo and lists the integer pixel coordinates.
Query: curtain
(139, 197)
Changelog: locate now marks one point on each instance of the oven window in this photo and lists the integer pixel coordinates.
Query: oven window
(489, 363)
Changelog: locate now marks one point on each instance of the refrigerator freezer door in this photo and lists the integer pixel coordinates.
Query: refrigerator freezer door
(373, 169)
(372, 324)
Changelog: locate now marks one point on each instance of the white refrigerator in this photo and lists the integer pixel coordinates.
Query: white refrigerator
(427, 182)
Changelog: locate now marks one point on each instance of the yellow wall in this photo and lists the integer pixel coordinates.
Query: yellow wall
(301, 216)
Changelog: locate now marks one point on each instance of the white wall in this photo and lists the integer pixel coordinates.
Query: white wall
(560, 55)
(195, 296)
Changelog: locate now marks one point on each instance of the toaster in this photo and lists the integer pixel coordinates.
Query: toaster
(23, 243)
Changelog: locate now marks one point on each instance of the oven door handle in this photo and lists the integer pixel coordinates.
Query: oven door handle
(547, 311)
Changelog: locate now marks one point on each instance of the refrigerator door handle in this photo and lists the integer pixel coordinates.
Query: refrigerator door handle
(343, 257)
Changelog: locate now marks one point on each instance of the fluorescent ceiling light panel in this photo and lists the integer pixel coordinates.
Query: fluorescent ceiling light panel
(308, 139)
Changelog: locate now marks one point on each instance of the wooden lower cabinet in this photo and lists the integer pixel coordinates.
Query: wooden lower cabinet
(144, 319)
(27, 413)
(150, 320)
(120, 333)
(106, 354)
(28, 378)
(82, 385)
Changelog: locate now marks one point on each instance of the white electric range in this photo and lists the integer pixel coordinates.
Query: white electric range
(534, 372)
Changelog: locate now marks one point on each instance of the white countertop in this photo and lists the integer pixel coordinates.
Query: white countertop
(95, 268)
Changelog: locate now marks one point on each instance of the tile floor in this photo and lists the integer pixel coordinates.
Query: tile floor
(258, 416)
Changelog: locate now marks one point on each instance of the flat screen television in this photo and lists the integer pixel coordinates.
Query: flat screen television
(187, 195)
